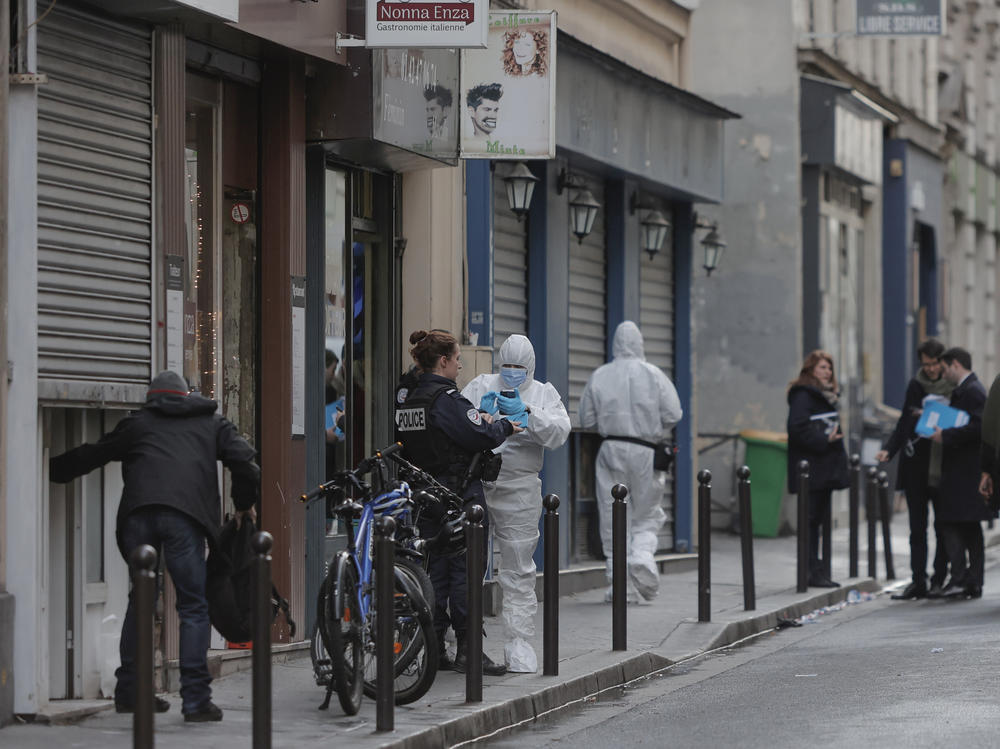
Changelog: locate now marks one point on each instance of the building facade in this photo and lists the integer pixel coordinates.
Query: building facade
(630, 133)
(843, 133)
(200, 190)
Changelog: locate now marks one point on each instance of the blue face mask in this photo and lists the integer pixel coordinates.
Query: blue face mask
(513, 376)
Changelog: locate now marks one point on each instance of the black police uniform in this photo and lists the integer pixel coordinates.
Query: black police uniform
(441, 432)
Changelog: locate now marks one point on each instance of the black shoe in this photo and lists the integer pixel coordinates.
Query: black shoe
(974, 591)
(821, 581)
(445, 662)
(205, 714)
(953, 591)
(911, 592)
(489, 667)
(935, 590)
(160, 705)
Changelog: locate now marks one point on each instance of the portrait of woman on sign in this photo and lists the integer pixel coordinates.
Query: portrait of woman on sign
(525, 52)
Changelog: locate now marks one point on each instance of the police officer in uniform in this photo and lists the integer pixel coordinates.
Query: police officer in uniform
(442, 433)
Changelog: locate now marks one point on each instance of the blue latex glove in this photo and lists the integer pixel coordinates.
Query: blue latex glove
(521, 419)
(510, 406)
(488, 402)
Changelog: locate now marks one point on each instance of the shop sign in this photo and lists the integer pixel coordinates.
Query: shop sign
(901, 18)
(298, 353)
(509, 89)
(228, 10)
(426, 23)
(416, 100)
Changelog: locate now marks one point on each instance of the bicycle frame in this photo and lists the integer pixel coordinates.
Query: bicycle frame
(360, 546)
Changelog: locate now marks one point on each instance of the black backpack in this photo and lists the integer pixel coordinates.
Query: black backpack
(229, 587)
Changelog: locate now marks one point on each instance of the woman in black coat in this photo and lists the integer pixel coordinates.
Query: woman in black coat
(814, 435)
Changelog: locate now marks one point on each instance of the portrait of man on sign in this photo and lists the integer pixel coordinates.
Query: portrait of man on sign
(483, 102)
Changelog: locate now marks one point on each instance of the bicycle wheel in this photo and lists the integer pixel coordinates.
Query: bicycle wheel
(344, 636)
(414, 642)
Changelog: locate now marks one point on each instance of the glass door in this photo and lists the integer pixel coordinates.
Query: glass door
(361, 299)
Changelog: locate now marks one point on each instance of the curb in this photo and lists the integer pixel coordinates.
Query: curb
(494, 718)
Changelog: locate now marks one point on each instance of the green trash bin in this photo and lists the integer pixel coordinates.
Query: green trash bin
(767, 459)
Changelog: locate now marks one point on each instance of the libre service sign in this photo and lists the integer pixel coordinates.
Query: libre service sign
(426, 23)
(901, 17)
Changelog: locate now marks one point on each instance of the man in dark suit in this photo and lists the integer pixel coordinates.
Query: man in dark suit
(919, 472)
(959, 506)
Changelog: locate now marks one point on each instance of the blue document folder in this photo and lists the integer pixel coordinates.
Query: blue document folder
(938, 415)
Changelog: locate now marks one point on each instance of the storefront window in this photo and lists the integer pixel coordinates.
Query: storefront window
(201, 223)
(335, 376)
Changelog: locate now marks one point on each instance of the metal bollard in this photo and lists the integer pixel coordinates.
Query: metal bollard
(550, 615)
(619, 567)
(871, 513)
(854, 501)
(746, 539)
(261, 544)
(704, 545)
(385, 656)
(474, 592)
(144, 589)
(802, 566)
(885, 513)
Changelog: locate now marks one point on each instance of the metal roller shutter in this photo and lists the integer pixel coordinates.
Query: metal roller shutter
(510, 269)
(587, 304)
(94, 198)
(656, 321)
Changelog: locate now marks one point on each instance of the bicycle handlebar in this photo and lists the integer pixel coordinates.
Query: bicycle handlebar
(351, 478)
(425, 477)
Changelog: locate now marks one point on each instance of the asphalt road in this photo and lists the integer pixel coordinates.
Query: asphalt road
(880, 673)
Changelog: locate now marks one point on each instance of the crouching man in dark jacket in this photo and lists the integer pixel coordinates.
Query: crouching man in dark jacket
(168, 450)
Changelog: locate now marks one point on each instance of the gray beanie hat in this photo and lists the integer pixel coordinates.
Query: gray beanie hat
(167, 382)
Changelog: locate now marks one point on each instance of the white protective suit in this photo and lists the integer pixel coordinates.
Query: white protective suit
(629, 397)
(515, 500)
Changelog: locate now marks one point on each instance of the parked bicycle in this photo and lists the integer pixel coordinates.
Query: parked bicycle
(343, 642)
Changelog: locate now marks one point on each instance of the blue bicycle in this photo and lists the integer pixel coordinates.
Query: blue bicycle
(343, 646)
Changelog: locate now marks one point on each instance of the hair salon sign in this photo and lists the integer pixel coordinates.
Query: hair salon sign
(427, 23)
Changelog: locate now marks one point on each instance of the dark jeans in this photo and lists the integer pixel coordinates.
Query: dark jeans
(182, 542)
(960, 538)
(447, 574)
(819, 506)
(917, 501)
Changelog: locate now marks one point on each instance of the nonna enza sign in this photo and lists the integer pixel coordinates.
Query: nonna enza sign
(426, 23)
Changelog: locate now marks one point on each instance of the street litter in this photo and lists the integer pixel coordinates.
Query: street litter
(937, 650)
(853, 597)
(805, 676)
(785, 623)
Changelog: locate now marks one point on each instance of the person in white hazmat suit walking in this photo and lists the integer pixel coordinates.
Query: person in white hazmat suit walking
(629, 397)
(515, 499)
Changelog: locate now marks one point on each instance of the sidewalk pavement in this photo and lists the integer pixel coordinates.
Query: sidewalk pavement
(660, 632)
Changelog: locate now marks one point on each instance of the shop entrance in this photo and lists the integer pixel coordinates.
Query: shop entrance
(361, 306)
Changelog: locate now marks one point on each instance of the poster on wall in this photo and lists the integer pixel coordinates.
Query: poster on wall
(175, 313)
(298, 356)
(415, 100)
(509, 89)
(426, 24)
(901, 17)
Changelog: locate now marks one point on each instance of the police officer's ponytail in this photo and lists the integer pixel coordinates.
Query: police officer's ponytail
(429, 347)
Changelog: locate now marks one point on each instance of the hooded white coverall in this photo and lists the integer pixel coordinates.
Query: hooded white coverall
(515, 500)
(629, 397)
